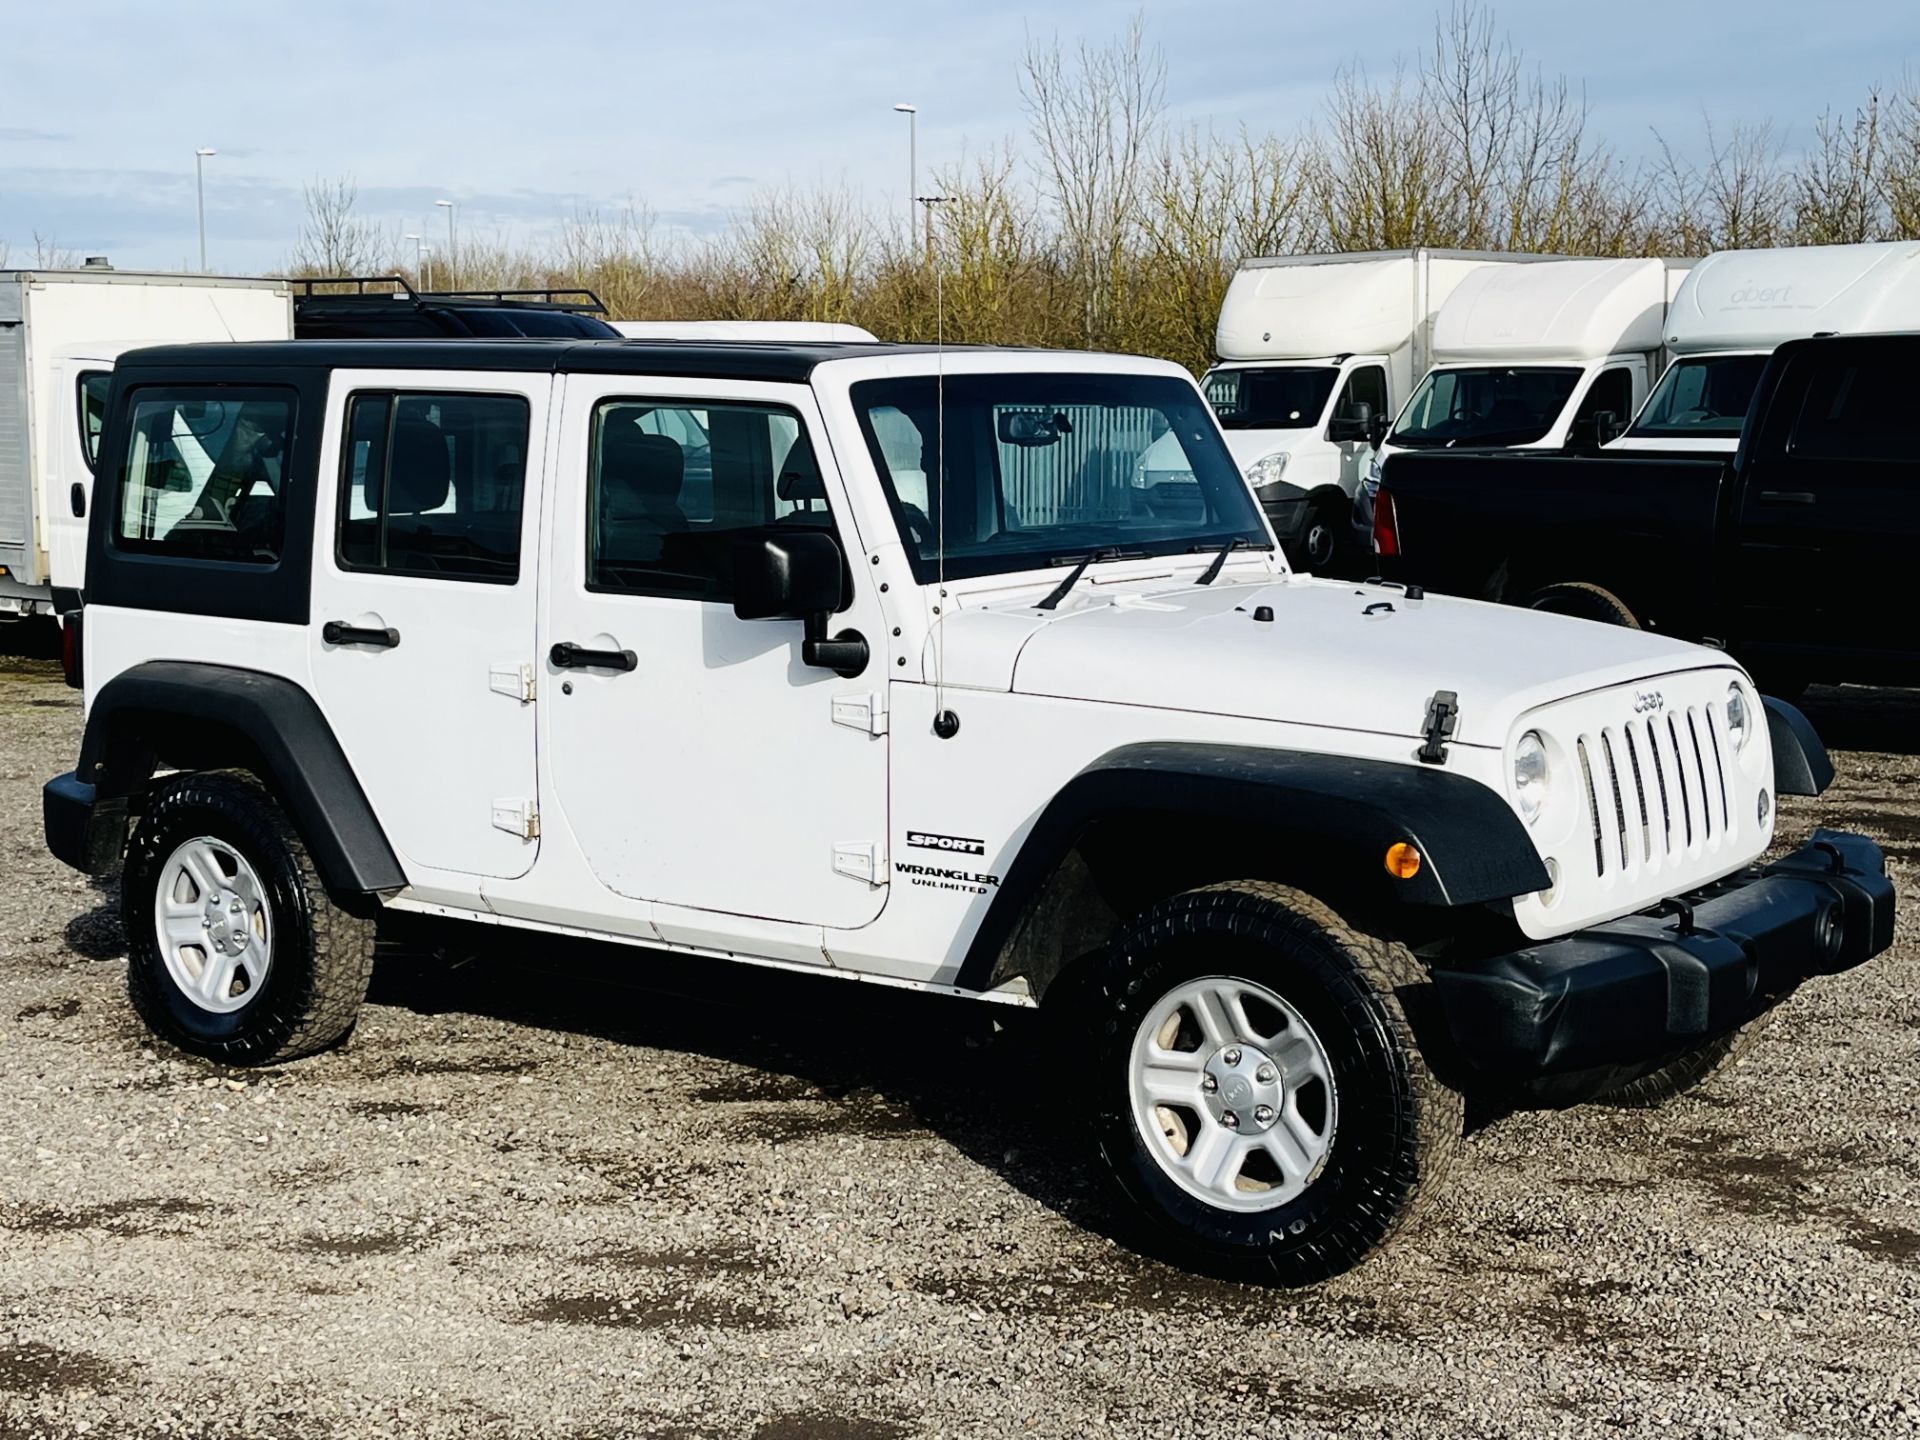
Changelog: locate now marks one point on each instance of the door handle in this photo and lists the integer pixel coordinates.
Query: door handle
(568, 656)
(338, 632)
(1786, 497)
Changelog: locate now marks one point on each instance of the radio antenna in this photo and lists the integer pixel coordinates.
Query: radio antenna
(946, 724)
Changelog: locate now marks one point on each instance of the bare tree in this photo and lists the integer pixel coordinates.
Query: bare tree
(1093, 121)
(1737, 200)
(1374, 172)
(1900, 169)
(334, 240)
(1838, 186)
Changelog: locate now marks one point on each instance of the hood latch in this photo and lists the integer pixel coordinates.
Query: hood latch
(1443, 714)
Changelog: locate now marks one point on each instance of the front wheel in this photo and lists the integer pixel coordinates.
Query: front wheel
(1584, 602)
(235, 951)
(1260, 1097)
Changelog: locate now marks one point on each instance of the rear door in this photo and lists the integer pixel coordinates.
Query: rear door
(1829, 506)
(422, 632)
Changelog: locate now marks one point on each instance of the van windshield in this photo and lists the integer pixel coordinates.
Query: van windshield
(1485, 405)
(1704, 397)
(1292, 397)
(1047, 469)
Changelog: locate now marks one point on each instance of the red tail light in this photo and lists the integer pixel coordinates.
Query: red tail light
(1386, 526)
(70, 652)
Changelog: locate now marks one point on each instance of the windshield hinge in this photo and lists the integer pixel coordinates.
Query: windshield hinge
(865, 711)
(1443, 715)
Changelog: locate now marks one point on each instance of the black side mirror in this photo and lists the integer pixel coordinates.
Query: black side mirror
(1377, 428)
(798, 576)
(1354, 425)
(1606, 426)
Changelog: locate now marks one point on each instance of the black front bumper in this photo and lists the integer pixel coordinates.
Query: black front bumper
(1649, 986)
(1287, 514)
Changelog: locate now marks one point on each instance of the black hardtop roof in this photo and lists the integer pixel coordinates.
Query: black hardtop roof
(702, 359)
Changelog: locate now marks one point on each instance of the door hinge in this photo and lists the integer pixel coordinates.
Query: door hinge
(861, 862)
(865, 711)
(513, 681)
(517, 817)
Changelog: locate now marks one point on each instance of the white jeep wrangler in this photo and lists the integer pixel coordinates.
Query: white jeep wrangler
(880, 662)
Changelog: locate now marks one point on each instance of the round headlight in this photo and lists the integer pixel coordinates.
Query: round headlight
(1739, 717)
(1267, 470)
(1530, 775)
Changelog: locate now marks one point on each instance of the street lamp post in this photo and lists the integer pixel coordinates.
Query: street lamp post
(200, 199)
(423, 259)
(453, 240)
(912, 112)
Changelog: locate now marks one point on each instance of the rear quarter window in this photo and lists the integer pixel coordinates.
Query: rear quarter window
(203, 474)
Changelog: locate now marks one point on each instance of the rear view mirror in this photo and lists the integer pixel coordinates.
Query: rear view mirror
(799, 575)
(1606, 426)
(1031, 428)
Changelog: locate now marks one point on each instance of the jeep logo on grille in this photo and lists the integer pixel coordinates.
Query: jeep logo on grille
(1645, 702)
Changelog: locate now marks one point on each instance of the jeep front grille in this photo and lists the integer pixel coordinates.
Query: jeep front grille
(1638, 825)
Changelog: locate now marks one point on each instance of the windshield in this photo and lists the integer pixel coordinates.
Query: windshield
(1292, 398)
(1046, 469)
(1485, 405)
(1705, 397)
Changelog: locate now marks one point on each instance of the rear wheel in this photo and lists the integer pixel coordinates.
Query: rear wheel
(1584, 602)
(1258, 1094)
(235, 950)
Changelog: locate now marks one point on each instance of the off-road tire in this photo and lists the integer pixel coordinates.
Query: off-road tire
(1398, 1128)
(1584, 602)
(1690, 1071)
(322, 956)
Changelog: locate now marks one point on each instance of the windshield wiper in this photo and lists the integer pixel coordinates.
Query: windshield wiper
(1061, 591)
(1239, 542)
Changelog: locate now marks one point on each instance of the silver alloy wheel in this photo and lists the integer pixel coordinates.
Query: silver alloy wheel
(1233, 1093)
(211, 918)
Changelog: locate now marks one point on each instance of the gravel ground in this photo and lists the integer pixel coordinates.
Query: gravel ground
(557, 1192)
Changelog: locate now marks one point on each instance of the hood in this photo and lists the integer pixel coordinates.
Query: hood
(1321, 660)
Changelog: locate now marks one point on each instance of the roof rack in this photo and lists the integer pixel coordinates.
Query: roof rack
(398, 283)
(578, 301)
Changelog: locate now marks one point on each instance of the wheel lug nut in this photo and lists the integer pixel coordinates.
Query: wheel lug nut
(1265, 1074)
(1209, 1084)
(234, 908)
(1230, 1120)
(1232, 1057)
(1263, 1115)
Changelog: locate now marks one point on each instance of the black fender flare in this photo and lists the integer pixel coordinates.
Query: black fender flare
(1800, 763)
(145, 716)
(1473, 846)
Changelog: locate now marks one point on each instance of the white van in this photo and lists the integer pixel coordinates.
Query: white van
(61, 332)
(1542, 357)
(1735, 306)
(1317, 353)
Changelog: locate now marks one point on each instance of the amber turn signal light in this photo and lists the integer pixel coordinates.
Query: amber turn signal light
(1403, 861)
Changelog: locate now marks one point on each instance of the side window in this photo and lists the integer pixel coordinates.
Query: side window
(672, 485)
(1611, 390)
(94, 385)
(1858, 408)
(433, 485)
(202, 475)
(1366, 386)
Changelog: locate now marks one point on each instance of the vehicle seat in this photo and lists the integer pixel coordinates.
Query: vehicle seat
(419, 479)
(639, 493)
(801, 486)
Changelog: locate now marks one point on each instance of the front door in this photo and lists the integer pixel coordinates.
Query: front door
(422, 627)
(695, 759)
(1829, 509)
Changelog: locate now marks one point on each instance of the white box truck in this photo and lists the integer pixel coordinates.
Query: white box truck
(1735, 306)
(1540, 357)
(1317, 354)
(60, 333)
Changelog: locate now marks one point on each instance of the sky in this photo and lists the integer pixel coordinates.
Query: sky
(525, 114)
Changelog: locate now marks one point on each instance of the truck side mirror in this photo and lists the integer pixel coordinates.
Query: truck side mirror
(1606, 426)
(1356, 424)
(1377, 428)
(798, 576)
